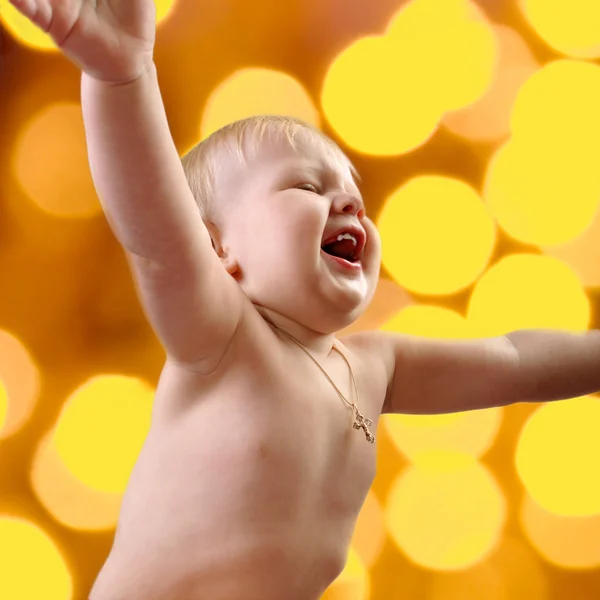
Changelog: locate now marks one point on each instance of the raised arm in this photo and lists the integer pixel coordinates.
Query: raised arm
(191, 302)
(137, 172)
(431, 376)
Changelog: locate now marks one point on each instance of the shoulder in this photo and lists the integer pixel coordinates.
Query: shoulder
(375, 349)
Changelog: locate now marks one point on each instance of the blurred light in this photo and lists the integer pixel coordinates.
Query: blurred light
(543, 186)
(50, 162)
(3, 405)
(385, 95)
(20, 385)
(31, 564)
(480, 581)
(353, 582)
(389, 463)
(512, 572)
(101, 430)
(428, 321)
(437, 235)
(256, 91)
(542, 196)
(526, 291)
(582, 254)
(563, 435)
(372, 99)
(369, 534)
(558, 105)
(568, 542)
(572, 28)
(453, 44)
(446, 512)
(521, 575)
(472, 432)
(164, 8)
(488, 119)
(68, 500)
(32, 36)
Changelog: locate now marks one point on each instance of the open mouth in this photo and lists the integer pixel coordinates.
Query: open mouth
(343, 263)
(346, 245)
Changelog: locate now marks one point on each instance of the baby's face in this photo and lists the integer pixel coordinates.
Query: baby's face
(283, 206)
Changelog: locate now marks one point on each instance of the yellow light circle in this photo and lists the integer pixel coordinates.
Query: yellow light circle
(20, 384)
(102, 428)
(471, 433)
(32, 36)
(446, 513)
(257, 91)
(527, 291)
(571, 28)
(368, 538)
(558, 457)
(51, 164)
(540, 195)
(559, 105)
(164, 9)
(24, 30)
(428, 320)
(513, 572)
(488, 119)
(353, 582)
(453, 45)
(31, 564)
(3, 405)
(480, 581)
(69, 501)
(582, 254)
(373, 98)
(437, 235)
(568, 542)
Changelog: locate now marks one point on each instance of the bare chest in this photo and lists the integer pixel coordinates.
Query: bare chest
(280, 417)
(263, 457)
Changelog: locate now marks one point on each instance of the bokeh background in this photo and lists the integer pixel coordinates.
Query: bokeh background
(476, 129)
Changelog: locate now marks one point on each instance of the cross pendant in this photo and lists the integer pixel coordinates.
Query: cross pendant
(364, 424)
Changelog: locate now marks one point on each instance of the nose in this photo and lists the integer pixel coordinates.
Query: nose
(349, 205)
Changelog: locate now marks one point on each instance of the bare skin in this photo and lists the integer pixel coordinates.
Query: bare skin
(255, 473)
(252, 476)
(251, 479)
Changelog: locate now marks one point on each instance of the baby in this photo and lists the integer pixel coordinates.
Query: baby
(261, 450)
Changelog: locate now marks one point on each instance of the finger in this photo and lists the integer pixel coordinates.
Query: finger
(38, 12)
(25, 7)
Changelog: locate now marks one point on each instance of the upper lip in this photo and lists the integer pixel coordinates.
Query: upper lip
(355, 230)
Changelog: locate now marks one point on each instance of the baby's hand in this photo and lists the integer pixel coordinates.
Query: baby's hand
(110, 40)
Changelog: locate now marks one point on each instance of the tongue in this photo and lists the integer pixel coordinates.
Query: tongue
(343, 249)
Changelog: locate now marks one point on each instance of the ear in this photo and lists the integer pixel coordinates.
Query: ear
(227, 259)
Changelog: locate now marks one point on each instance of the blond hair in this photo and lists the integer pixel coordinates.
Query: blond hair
(244, 139)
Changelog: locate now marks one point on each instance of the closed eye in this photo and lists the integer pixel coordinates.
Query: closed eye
(309, 187)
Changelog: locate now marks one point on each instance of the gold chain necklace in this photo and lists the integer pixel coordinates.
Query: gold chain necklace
(360, 422)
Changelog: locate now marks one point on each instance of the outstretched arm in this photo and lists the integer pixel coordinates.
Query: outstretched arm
(431, 376)
(190, 301)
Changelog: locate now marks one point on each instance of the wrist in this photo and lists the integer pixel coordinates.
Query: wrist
(147, 69)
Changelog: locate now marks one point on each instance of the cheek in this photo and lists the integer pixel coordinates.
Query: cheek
(374, 241)
(299, 227)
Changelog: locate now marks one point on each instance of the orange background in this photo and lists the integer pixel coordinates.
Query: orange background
(475, 128)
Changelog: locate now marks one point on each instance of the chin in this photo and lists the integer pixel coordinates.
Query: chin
(332, 321)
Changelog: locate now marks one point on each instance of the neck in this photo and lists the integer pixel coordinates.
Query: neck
(318, 344)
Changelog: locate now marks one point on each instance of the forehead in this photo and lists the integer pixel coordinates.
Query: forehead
(307, 151)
